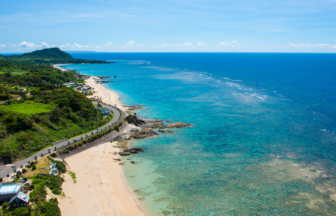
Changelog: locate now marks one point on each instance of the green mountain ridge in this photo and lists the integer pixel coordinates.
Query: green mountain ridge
(49, 53)
(46, 57)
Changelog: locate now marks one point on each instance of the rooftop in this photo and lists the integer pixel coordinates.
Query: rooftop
(20, 196)
(9, 189)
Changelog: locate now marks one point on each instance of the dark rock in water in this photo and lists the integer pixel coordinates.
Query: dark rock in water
(132, 108)
(133, 162)
(138, 149)
(131, 119)
(103, 77)
(143, 134)
(154, 123)
(114, 76)
(166, 212)
(124, 153)
(166, 131)
(133, 150)
(169, 120)
(177, 125)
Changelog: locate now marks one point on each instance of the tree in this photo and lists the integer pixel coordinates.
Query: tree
(55, 114)
(64, 102)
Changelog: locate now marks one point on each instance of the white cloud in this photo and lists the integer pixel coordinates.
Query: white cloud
(2, 45)
(311, 47)
(201, 44)
(130, 43)
(81, 46)
(25, 44)
(64, 46)
(108, 44)
(228, 45)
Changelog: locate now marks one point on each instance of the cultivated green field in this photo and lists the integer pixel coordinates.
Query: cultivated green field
(18, 73)
(28, 108)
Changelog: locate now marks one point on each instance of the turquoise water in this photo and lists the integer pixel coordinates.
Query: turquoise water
(262, 138)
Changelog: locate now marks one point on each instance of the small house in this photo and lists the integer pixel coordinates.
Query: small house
(19, 200)
(103, 110)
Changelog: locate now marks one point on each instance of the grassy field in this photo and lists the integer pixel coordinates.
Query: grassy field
(18, 73)
(28, 108)
(44, 162)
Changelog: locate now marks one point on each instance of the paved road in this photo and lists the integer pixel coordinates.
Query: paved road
(118, 117)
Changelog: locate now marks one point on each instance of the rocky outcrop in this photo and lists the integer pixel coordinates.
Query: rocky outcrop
(177, 125)
(143, 134)
(134, 150)
(103, 77)
(124, 153)
(166, 131)
(154, 123)
(132, 108)
(132, 119)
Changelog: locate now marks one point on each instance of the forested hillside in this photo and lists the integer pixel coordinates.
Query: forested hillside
(37, 110)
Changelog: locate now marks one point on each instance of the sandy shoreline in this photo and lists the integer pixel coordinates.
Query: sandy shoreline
(100, 188)
(57, 67)
(107, 96)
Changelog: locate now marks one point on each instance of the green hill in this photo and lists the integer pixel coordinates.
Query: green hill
(50, 53)
(46, 57)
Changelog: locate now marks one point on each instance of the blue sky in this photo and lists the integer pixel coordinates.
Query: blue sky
(169, 25)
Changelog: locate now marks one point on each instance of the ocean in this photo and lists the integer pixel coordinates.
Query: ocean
(262, 140)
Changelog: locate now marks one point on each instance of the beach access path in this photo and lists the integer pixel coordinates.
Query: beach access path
(118, 117)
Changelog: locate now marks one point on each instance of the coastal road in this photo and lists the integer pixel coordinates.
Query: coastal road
(117, 118)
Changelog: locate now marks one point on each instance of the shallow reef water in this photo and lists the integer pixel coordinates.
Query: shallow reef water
(262, 138)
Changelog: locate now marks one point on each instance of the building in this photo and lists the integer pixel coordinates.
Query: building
(103, 110)
(19, 200)
(53, 169)
(7, 192)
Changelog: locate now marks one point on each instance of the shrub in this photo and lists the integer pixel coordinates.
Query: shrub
(33, 167)
(60, 166)
(49, 208)
(56, 191)
(31, 187)
(24, 170)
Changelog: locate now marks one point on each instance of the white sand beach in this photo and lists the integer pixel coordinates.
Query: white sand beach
(107, 95)
(57, 66)
(100, 188)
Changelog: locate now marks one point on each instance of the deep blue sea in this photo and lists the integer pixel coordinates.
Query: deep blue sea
(262, 140)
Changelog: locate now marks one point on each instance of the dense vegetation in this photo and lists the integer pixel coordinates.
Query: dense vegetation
(46, 56)
(27, 74)
(39, 110)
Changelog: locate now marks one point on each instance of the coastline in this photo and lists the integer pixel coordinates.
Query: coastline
(100, 188)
